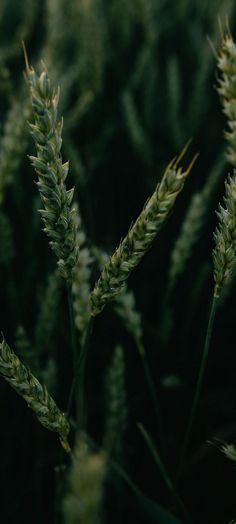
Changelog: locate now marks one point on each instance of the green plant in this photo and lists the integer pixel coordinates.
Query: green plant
(135, 83)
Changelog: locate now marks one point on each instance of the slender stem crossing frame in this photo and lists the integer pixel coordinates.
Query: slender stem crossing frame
(199, 384)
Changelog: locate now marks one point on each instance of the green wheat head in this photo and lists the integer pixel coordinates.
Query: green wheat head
(227, 90)
(83, 500)
(57, 215)
(224, 253)
(140, 236)
(38, 399)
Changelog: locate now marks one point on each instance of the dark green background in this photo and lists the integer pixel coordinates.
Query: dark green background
(150, 74)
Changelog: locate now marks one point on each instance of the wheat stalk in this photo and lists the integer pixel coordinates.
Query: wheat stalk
(57, 215)
(140, 236)
(37, 397)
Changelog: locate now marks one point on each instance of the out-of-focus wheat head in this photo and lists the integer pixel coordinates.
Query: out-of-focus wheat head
(81, 281)
(83, 501)
(13, 143)
(116, 408)
(227, 90)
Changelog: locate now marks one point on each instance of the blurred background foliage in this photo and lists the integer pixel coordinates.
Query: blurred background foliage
(137, 80)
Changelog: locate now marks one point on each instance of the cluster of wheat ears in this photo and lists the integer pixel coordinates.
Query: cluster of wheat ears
(63, 226)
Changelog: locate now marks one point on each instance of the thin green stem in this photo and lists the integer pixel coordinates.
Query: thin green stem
(153, 394)
(59, 468)
(164, 473)
(199, 385)
(156, 457)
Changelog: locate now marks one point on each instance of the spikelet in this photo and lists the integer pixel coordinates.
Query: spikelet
(27, 386)
(81, 282)
(227, 91)
(13, 143)
(57, 215)
(224, 253)
(116, 412)
(83, 501)
(140, 236)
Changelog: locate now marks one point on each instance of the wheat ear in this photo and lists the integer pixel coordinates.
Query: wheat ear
(38, 399)
(140, 236)
(224, 253)
(227, 90)
(57, 215)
